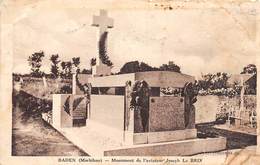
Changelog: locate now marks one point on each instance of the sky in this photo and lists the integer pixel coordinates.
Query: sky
(201, 40)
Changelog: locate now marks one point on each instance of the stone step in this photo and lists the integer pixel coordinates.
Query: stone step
(164, 136)
(176, 148)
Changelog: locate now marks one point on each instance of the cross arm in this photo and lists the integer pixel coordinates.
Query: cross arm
(95, 21)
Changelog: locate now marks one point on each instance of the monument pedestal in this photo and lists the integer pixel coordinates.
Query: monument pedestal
(174, 148)
(164, 136)
(69, 110)
(167, 143)
(101, 70)
(110, 129)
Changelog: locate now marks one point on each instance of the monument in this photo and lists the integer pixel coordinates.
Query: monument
(103, 22)
(130, 115)
(70, 110)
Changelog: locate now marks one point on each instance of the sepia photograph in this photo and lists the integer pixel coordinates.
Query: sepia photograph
(157, 79)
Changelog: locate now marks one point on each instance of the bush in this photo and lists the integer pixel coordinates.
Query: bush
(66, 89)
(230, 92)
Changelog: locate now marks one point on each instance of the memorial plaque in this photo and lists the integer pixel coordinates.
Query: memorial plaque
(73, 110)
(79, 107)
(166, 114)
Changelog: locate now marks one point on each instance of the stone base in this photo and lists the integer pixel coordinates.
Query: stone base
(177, 148)
(101, 70)
(68, 110)
(164, 136)
(98, 143)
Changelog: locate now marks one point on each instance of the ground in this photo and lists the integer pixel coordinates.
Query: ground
(31, 135)
(235, 140)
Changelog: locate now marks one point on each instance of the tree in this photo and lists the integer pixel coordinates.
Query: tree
(143, 67)
(220, 80)
(76, 62)
(103, 51)
(35, 61)
(93, 62)
(206, 82)
(170, 67)
(54, 66)
(130, 67)
(66, 69)
(249, 69)
(63, 69)
(136, 66)
(252, 82)
(86, 71)
(213, 81)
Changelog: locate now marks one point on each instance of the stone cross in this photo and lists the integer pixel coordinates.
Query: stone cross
(103, 22)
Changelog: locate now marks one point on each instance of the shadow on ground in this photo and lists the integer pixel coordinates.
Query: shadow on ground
(235, 140)
(31, 136)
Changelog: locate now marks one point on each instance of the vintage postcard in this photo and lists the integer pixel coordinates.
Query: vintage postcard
(129, 82)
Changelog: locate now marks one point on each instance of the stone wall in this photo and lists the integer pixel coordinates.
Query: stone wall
(166, 114)
(208, 106)
(68, 110)
(108, 110)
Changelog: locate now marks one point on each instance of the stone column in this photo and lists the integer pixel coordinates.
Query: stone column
(74, 81)
(74, 84)
(129, 116)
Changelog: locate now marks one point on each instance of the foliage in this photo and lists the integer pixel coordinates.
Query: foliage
(130, 67)
(86, 71)
(249, 69)
(66, 69)
(216, 84)
(230, 92)
(170, 67)
(85, 88)
(171, 91)
(93, 62)
(143, 67)
(103, 51)
(35, 61)
(66, 89)
(54, 66)
(213, 81)
(75, 63)
(136, 66)
(251, 83)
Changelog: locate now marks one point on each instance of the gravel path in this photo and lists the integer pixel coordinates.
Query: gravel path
(31, 136)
